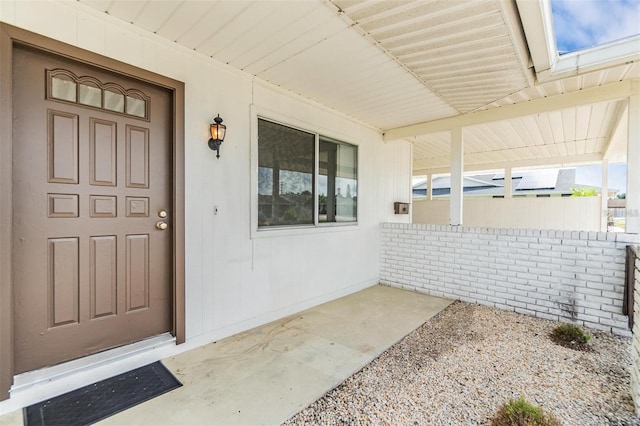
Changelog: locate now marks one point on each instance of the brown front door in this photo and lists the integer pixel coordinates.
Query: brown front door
(92, 160)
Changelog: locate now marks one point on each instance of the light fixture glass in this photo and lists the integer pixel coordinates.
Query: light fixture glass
(218, 132)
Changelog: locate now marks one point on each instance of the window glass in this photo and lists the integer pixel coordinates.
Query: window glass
(90, 95)
(337, 181)
(63, 89)
(91, 92)
(113, 101)
(286, 161)
(136, 107)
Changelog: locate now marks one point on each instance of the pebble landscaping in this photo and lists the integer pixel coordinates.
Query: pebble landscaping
(461, 365)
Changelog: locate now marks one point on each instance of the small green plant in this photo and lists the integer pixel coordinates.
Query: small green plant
(570, 336)
(519, 412)
(583, 192)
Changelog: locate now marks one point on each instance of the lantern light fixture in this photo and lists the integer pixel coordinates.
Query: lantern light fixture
(218, 131)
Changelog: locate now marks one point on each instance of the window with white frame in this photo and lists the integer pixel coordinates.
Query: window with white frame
(337, 181)
(304, 178)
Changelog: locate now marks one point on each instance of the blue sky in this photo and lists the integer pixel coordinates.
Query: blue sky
(584, 23)
(592, 175)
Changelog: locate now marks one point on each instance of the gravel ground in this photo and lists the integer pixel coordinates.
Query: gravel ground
(461, 365)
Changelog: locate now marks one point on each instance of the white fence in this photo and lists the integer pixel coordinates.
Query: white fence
(562, 213)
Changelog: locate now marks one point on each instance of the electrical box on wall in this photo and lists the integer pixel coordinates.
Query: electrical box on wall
(401, 208)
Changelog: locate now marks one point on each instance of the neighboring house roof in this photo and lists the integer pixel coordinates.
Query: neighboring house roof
(533, 182)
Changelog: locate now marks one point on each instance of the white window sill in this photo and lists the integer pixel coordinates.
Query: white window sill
(288, 231)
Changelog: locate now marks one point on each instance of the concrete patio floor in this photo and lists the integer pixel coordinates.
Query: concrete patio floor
(265, 375)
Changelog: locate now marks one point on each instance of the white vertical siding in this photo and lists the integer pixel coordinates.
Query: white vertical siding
(563, 213)
(234, 282)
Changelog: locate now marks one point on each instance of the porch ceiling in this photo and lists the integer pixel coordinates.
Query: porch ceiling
(392, 64)
(586, 133)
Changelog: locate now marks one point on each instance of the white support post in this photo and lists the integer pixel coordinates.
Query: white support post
(429, 187)
(604, 196)
(507, 182)
(633, 162)
(457, 170)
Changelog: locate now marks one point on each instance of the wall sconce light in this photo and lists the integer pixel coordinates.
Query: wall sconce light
(218, 131)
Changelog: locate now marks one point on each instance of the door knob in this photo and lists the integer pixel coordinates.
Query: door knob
(161, 225)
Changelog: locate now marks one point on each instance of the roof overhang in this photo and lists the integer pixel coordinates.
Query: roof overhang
(413, 69)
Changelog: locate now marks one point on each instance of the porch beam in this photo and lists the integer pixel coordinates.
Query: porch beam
(538, 27)
(609, 92)
(457, 166)
(551, 161)
(429, 187)
(510, 11)
(507, 182)
(615, 123)
(633, 163)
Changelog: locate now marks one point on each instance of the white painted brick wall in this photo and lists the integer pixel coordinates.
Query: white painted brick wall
(635, 345)
(569, 276)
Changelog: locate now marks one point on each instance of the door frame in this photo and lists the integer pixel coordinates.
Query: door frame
(11, 36)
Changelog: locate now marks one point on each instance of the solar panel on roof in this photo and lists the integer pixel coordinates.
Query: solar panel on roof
(539, 179)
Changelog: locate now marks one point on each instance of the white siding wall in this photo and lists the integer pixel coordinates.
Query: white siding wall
(568, 213)
(234, 282)
(559, 275)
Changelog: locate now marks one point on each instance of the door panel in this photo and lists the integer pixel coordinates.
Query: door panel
(137, 152)
(63, 281)
(63, 205)
(102, 275)
(91, 169)
(102, 152)
(62, 147)
(137, 272)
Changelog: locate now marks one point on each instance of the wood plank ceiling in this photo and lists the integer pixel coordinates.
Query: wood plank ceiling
(394, 63)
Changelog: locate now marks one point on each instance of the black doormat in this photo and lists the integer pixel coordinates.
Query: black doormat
(100, 400)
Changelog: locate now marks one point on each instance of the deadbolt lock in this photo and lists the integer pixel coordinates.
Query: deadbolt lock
(162, 213)
(162, 225)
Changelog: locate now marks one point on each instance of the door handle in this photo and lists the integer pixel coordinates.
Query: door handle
(161, 225)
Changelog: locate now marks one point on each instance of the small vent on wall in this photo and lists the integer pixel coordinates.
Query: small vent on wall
(400, 208)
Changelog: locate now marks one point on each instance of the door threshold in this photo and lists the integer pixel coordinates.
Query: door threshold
(34, 386)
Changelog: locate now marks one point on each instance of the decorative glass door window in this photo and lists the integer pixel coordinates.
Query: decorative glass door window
(65, 86)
